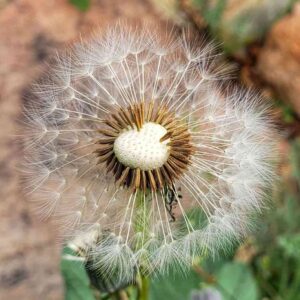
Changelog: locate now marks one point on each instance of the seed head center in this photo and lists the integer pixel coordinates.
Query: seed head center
(142, 149)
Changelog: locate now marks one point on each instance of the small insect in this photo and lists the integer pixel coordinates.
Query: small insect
(171, 201)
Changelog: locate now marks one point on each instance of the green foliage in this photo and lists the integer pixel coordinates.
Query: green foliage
(290, 245)
(212, 12)
(82, 5)
(287, 112)
(277, 263)
(272, 272)
(235, 281)
(232, 279)
(77, 283)
(174, 286)
(238, 23)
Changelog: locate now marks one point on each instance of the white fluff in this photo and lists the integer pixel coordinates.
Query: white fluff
(225, 183)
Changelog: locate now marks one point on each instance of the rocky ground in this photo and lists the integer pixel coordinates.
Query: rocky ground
(279, 60)
(30, 31)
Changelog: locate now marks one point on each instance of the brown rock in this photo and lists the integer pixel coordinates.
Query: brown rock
(279, 61)
(29, 32)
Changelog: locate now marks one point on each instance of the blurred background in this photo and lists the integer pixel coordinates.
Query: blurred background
(262, 37)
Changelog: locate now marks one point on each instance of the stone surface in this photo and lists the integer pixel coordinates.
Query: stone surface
(30, 31)
(279, 60)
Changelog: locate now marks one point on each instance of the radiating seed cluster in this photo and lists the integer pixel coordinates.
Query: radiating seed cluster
(136, 144)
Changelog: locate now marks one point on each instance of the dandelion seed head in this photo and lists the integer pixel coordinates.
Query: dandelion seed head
(141, 151)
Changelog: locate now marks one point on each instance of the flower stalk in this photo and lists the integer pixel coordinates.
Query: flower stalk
(143, 287)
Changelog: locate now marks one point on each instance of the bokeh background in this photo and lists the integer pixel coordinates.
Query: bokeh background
(261, 37)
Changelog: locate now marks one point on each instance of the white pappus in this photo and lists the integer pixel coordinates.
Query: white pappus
(137, 144)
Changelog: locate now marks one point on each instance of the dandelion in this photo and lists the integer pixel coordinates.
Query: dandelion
(137, 145)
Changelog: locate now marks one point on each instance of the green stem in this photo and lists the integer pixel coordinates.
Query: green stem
(141, 224)
(143, 288)
(122, 295)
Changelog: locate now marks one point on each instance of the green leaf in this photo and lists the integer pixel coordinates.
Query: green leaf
(235, 281)
(178, 286)
(77, 283)
(174, 286)
(82, 5)
(291, 245)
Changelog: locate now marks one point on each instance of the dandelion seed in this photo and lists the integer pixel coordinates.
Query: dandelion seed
(136, 146)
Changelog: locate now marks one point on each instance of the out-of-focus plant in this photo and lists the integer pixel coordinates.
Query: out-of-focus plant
(237, 23)
(277, 260)
(82, 5)
(77, 282)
